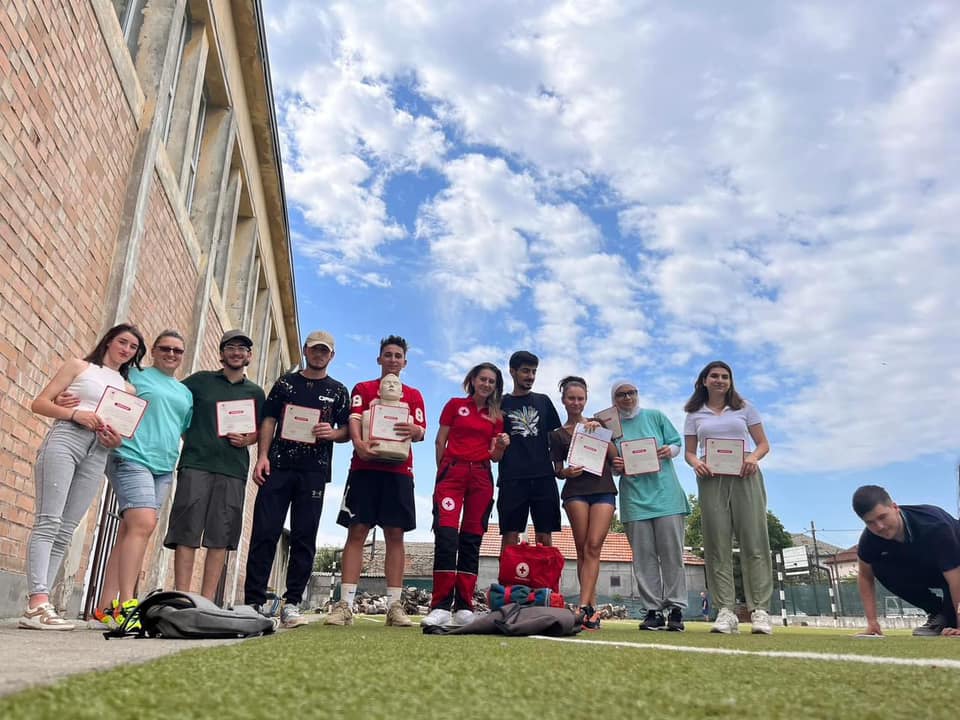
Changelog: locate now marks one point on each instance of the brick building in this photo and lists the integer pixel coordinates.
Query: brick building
(139, 180)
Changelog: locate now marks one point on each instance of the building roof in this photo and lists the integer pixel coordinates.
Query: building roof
(844, 556)
(418, 563)
(616, 548)
(823, 548)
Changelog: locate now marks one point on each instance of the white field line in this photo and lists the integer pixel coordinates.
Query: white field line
(788, 655)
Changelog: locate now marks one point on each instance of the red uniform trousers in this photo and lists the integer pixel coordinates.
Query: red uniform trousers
(462, 502)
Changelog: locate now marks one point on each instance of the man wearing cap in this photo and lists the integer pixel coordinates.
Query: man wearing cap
(214, 462)
(305, 413)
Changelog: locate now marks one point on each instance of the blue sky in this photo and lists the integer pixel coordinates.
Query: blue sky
(635, 189)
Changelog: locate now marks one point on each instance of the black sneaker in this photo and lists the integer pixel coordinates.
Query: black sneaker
(653, 621)
(935, 623)
(675, 620)
(591, 620)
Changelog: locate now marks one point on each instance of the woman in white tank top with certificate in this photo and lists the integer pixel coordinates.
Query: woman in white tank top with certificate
(71, 461)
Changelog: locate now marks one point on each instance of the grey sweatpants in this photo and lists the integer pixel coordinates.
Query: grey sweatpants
(736, 506)
(68, 472)
(657, 546)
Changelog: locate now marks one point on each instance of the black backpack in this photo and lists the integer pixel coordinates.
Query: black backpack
(184, 615)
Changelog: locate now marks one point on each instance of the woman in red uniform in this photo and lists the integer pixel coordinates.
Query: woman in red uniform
(470, 436)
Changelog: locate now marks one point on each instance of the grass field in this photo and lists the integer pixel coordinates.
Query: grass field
(371, 671)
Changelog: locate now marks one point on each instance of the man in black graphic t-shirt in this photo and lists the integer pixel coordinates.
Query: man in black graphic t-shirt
(304, 414)
(526, 479)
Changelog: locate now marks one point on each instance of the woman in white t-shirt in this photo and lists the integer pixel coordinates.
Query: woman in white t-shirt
(71, 461)
(732, 504)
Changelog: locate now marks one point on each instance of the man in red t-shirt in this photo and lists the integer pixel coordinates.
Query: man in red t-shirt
(379, 492)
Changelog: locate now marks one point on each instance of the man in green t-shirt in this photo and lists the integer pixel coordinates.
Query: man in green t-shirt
(214, 463)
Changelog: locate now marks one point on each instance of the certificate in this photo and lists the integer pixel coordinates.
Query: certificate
(724, 457)
(382, 420)
(611, 421)
(121, 411)
(298, 422)
(640, 456)
(236, 416)
(589, 449)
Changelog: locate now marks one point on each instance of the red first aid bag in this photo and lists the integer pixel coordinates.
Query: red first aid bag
(536, 566)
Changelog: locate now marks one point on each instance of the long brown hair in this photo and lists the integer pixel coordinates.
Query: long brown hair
(100, 351)
(701, 395)
(493, 402)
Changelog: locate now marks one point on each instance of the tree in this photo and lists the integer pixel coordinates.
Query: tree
(616, 526)
(779, 537)
(327, 559)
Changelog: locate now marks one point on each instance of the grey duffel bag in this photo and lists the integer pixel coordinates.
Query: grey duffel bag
(184, 615)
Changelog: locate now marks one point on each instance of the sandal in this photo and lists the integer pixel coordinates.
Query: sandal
(44, 617)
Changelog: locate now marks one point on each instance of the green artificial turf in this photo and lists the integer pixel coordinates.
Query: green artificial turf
(371, 671)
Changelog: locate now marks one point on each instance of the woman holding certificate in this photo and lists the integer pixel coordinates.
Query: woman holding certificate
(653, 507)
(589, 497)
(71, 461)
(733, 500)
(470, 436)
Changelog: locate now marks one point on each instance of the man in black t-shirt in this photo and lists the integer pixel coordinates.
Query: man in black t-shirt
(304, 414)
(526, 479)
(911, 550)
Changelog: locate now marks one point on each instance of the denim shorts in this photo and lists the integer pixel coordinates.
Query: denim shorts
(135, 486)
(595, 499)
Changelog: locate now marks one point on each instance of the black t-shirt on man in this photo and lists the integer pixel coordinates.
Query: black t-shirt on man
(528, 419)
(327, 395)
(932, 542)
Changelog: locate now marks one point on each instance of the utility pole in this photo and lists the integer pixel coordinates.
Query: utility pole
(816, 567)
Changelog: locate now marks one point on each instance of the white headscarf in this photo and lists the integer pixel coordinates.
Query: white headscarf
(617, 384)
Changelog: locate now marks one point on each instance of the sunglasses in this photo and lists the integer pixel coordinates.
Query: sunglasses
(168, 349)
(624, 394)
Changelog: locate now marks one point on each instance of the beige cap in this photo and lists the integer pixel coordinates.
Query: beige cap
(320, 337)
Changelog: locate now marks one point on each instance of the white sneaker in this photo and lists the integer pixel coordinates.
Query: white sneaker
(461, 618)
(437, 616)
(760, 620)
(290, 617)
(44, 617)
(726, 622)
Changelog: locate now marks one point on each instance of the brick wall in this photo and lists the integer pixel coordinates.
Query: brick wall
(64, 162)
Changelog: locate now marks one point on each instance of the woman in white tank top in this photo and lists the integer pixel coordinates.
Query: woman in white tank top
(71, 461)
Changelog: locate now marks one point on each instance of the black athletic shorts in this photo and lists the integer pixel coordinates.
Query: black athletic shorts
(378, 497)
(537, 496)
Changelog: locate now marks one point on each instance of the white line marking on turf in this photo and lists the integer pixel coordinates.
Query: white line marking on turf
(789, 655)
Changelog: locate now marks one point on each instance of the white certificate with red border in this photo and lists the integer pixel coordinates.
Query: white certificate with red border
(589, 449)
(382, 421)
(121, 411)
(640, 456)
(236, 416)
(298, 423)
(611, 421)
(723, 456)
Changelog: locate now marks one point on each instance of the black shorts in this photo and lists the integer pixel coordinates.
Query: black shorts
(207, 510)
(378, 497)
(537, 496)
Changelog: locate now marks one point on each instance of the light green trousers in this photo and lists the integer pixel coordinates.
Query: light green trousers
(735, 506)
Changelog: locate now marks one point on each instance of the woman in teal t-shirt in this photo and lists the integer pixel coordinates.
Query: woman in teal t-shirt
(653, 508)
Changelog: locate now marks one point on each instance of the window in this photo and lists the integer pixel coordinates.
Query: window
(172, 90)
(614, 581)
(195, 154)
(130, 15)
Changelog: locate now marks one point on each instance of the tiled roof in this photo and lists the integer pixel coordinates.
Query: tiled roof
(616, 548)
(419, 559)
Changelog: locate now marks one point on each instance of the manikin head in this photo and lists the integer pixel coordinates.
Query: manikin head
(390, 387)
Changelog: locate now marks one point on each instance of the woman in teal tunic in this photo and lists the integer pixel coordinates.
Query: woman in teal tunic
(653, 508)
